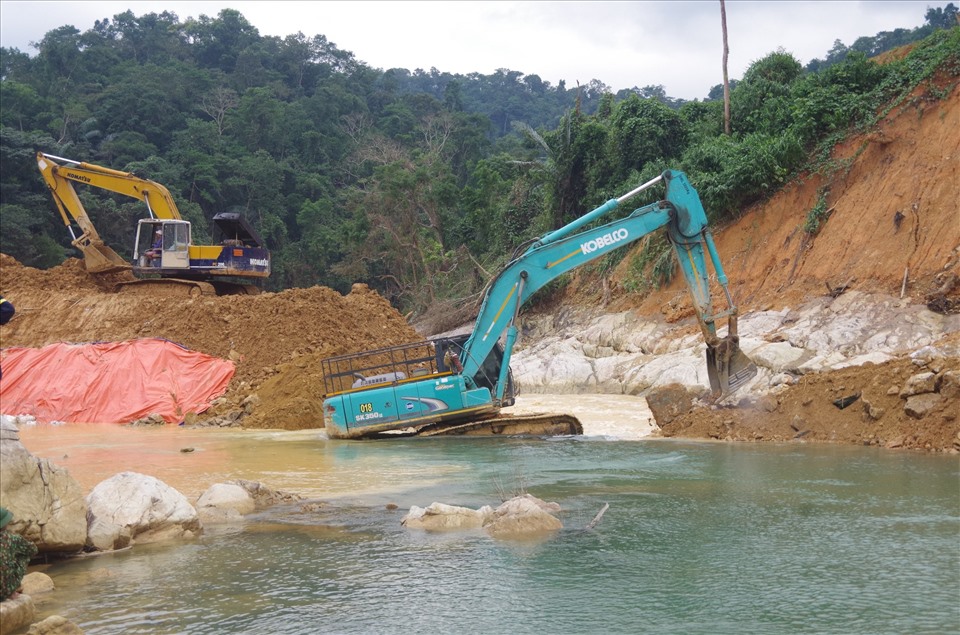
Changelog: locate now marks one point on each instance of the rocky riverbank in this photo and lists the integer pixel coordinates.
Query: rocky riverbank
(857, 368)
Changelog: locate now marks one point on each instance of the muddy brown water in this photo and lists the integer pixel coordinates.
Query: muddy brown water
(303, 462)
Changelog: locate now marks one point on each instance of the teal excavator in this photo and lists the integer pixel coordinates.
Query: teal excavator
(458, 385)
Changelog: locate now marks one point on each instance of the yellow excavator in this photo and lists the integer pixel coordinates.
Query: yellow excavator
(165, 260)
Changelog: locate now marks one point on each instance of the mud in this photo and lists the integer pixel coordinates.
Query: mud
(860, 405)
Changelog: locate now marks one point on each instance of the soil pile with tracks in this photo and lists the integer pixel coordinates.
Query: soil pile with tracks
(276, 340)
(873, 404)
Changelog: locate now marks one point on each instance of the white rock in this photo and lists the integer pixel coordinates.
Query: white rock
(47, 503)
(443, 517)
(224, 502)
(131, 507)
(577, 351)
(522, 516)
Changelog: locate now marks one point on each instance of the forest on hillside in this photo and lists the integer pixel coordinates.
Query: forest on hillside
(420, 184)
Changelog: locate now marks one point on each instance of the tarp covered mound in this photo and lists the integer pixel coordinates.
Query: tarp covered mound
(110, 382)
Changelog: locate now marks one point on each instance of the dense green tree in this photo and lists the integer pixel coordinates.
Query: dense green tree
(642, 130)
(419, 183)
(761, 101)
(151, 38)
(218, 42)
(945, 18)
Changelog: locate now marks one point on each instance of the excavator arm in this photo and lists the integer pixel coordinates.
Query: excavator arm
(572, 246)
(60, 175)
(157, 197)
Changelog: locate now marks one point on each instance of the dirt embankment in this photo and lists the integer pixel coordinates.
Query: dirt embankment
(891, 226)
(275, 339)
(892, 213)
(872, 404)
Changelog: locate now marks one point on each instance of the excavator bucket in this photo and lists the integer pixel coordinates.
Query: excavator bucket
(728, 367)
(103, 259)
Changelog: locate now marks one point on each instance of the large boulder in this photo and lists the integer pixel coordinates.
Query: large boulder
(670, 401)
(442, 517)
(36, 583)
(224, 502)
(55, 625)
(264, 496)
(16, 613)
(47, 503)
(523, 517)
(231, 501)
(131, 507)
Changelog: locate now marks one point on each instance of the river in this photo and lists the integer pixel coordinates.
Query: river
(698, 538)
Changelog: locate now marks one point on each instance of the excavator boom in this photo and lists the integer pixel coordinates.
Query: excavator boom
(97, 256)
(681, 212)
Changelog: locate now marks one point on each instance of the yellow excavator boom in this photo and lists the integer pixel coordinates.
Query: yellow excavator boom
(60, 174)
(97, 257)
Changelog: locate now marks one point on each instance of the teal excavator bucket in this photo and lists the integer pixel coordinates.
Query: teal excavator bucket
(728, 367)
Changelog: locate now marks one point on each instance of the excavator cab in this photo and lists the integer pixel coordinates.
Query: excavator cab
(161, 244)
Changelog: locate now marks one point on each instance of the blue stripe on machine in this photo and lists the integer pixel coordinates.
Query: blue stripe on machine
(433, 405)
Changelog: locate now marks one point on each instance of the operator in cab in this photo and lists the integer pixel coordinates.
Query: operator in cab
(153, 254)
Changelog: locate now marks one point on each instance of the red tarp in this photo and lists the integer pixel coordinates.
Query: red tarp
(110, 382)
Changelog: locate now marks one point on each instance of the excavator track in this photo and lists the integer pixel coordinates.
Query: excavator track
(534, 425)
(171, 287)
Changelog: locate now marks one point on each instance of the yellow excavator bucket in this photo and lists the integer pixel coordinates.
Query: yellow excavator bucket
(98, 258)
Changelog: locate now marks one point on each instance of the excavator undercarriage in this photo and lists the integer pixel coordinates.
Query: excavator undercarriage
(528, 425)
(175, 287)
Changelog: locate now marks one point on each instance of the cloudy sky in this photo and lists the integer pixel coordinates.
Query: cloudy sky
(677, 44)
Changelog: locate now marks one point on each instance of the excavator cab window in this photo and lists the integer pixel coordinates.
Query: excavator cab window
(176, 236)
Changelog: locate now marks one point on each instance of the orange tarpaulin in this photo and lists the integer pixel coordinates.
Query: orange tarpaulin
(110, 382)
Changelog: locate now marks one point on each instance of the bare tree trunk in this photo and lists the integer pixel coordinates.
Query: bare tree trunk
(726, 81)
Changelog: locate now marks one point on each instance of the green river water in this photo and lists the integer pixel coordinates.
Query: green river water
(699, 538)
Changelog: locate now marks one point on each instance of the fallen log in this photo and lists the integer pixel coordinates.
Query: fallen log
(596, 519)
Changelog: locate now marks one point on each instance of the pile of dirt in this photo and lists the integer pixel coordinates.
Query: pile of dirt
(871, 404)
(275, 339)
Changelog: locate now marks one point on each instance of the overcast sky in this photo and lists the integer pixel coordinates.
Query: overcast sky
(677, 44)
